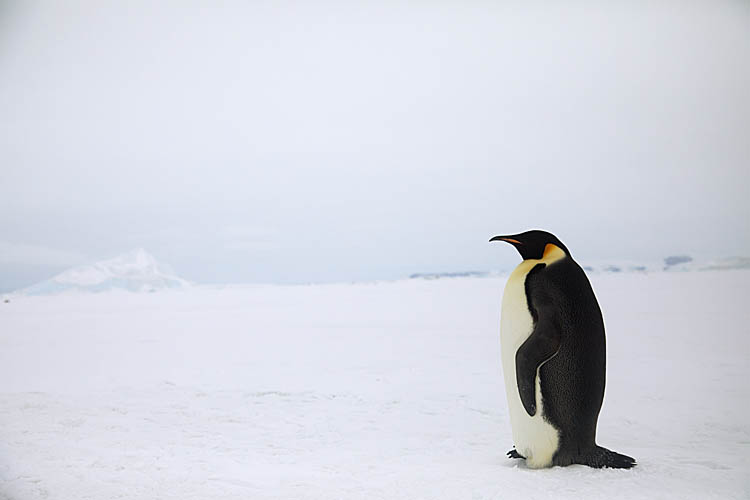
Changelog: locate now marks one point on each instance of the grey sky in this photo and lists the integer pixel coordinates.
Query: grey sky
(321, 141)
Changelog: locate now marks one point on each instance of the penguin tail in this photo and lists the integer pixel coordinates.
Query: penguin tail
(602, 457)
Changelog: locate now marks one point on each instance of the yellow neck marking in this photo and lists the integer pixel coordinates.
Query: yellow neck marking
(552, 253)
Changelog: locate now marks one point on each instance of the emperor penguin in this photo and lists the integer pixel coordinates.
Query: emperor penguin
(553, 355)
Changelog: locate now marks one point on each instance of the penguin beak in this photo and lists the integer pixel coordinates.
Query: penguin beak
(507, 239)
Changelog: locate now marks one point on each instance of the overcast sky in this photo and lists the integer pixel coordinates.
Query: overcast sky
(324, 141)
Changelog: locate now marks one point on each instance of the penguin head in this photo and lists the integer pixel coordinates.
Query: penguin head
(531, 244)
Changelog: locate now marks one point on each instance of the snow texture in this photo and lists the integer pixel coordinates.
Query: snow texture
(135, 271)
(368, 391)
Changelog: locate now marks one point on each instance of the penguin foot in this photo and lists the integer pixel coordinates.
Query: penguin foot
(514, 454)
(602, 457)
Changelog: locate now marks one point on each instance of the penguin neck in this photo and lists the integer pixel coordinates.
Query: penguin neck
(552, 253)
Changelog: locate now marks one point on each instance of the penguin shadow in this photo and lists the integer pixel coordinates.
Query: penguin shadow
(512, 460)
(520, 464)
(507, 463)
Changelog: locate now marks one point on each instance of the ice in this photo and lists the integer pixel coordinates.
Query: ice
(380, 390)
(728, 263)
(135, 271)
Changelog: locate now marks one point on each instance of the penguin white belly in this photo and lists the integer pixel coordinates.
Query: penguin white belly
(534, 437)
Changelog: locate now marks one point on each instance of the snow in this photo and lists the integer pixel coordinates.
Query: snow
(135, 271)
(381, 390)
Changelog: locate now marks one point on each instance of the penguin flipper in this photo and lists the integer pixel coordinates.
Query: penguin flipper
(540, 347)
(542, 344)
(514, 454)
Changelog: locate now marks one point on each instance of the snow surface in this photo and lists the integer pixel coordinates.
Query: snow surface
(384, 390)
(135, 271)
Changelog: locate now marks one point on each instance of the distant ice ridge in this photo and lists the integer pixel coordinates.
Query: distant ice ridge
(728, 263)
(135, 271)
(672, 263)
(621, 266)
(457, 274)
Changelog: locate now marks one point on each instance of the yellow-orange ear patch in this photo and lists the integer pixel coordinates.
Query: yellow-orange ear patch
(553, 251)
